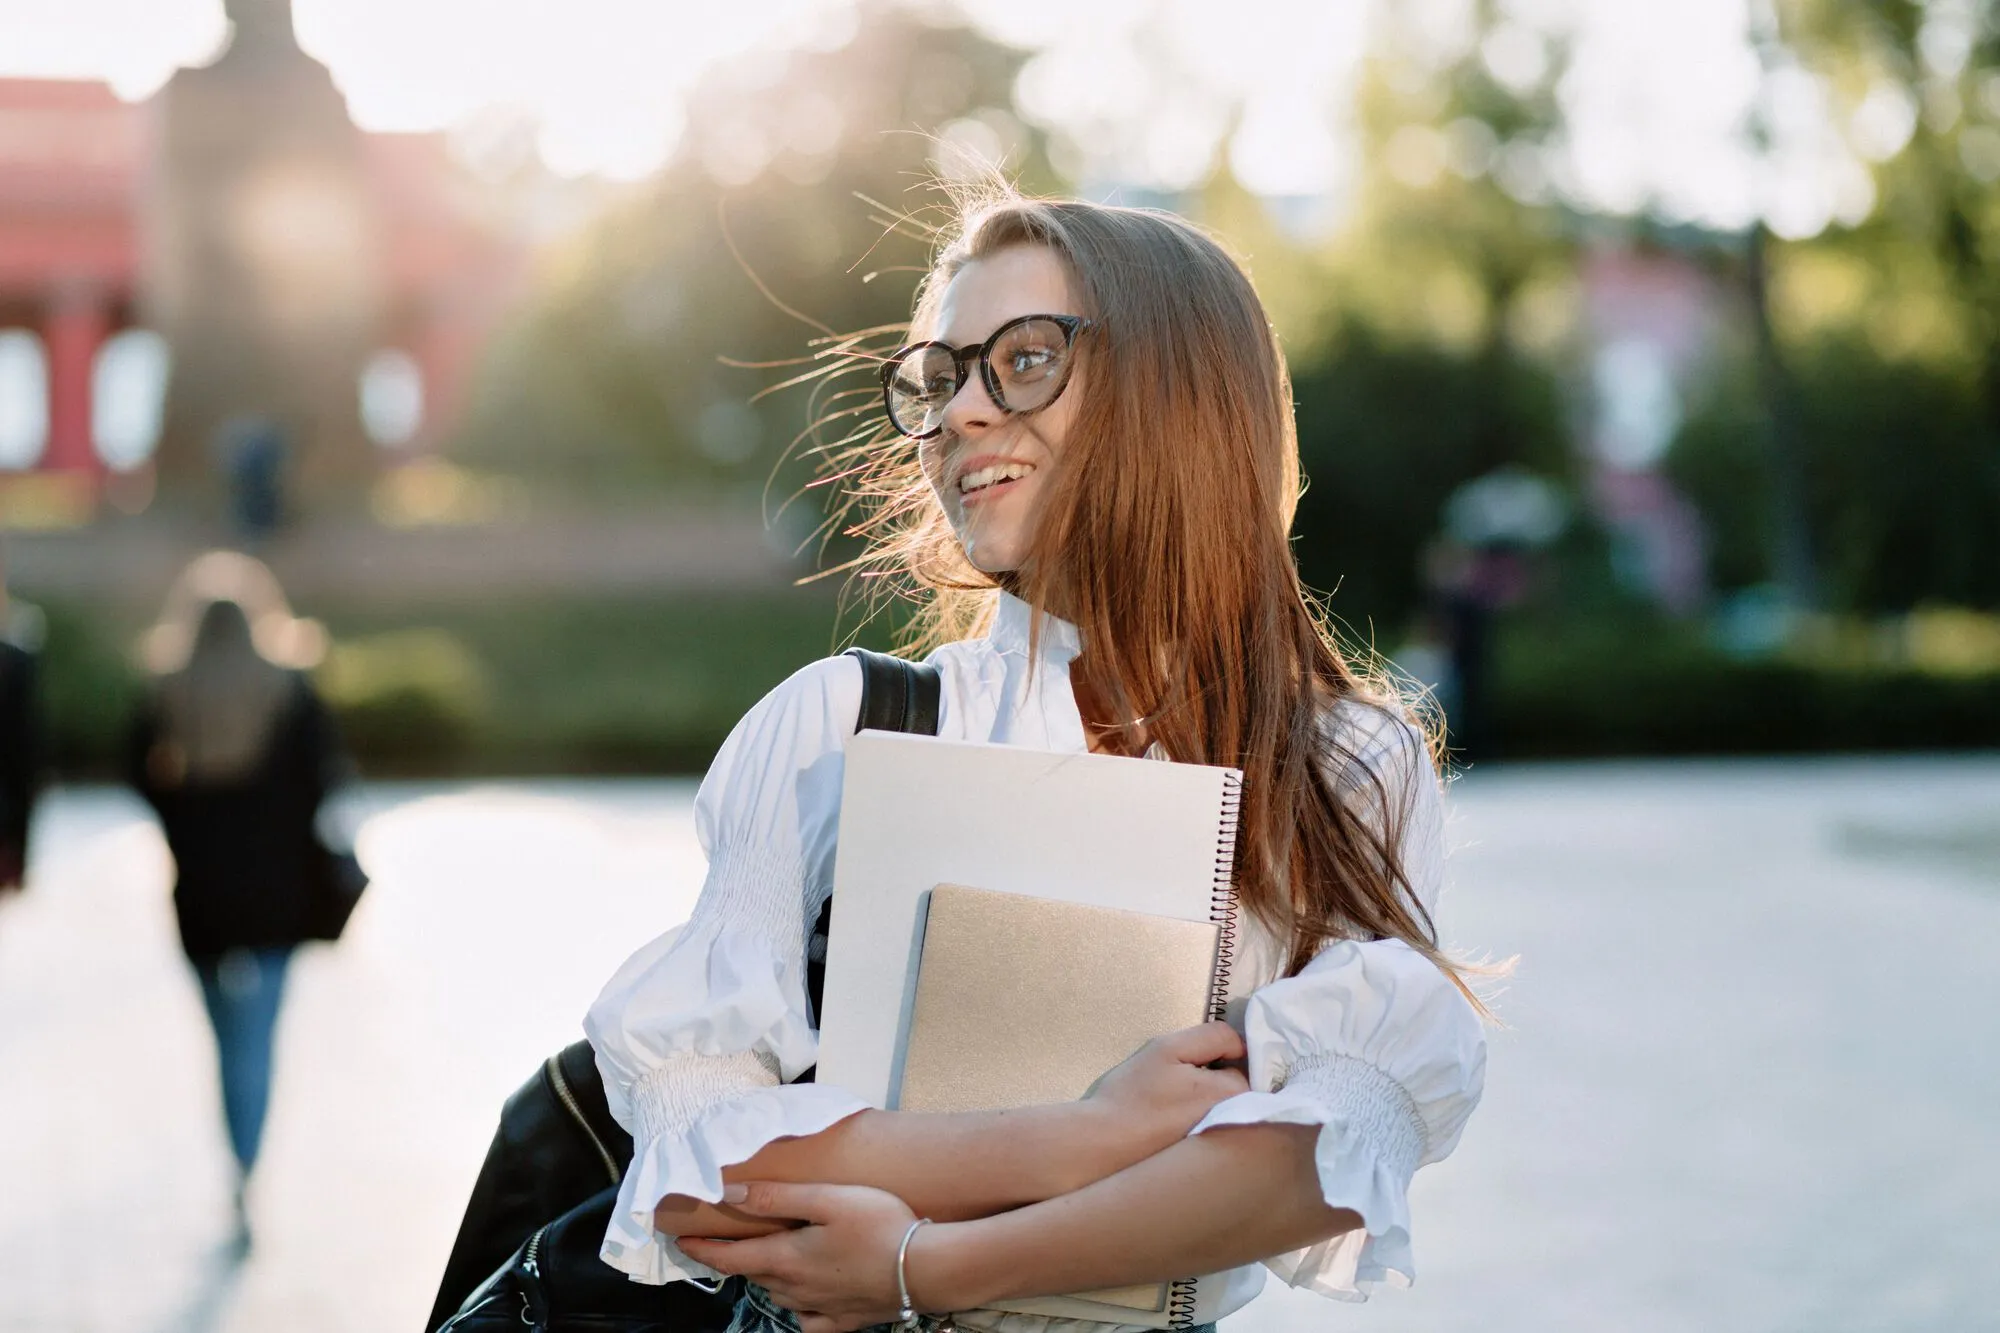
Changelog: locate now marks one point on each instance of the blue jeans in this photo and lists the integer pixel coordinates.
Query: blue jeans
(756, 1314)
(241, 989)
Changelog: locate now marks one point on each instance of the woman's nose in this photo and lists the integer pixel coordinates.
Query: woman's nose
(971, 410)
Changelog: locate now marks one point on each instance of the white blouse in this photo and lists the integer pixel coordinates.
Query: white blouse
(699, 1033)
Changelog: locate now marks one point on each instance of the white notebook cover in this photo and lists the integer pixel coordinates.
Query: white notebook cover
(1137, 834)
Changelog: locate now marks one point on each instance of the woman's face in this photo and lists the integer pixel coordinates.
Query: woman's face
(990, 468)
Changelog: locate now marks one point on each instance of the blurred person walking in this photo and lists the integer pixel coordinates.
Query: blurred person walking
(237, 755)
(252, 453)
(21, 751)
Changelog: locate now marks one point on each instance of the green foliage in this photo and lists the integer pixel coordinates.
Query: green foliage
(522, 685)
(1387, 430)
(1433, 339)
(1631, 685)
(653, 685)
(89, 688)
(1721, 461)
(1902, 481)
(411, 696)
(613, 684)
(617, 374)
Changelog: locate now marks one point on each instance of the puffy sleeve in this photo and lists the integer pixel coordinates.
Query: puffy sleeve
(699, 1034)
(1372, 1043)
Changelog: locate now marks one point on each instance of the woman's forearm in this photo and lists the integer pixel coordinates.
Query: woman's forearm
(1214, 1201)
(948, 1167)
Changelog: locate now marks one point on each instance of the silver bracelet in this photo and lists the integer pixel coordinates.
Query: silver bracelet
(907, 1316)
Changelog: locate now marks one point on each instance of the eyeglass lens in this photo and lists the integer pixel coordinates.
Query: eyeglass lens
(1026, 366)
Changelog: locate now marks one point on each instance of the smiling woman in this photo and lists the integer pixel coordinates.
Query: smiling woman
(989, 484)
(1088, 476)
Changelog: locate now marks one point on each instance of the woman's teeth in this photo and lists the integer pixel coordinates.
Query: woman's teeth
(990, 476)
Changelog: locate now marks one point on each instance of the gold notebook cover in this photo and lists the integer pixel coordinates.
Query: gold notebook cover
(1024, 1001)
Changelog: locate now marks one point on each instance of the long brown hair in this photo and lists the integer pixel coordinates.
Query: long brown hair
(1165, 537)
(224, 655)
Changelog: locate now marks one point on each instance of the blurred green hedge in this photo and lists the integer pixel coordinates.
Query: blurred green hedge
(89, 688)
(1574, 691)
(529, 686)
(651, 685)
(616, 685)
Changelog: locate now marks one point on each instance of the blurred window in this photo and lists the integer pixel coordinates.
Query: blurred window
(128, 393)
(392, 398)
(1638, 405)
(24, 398)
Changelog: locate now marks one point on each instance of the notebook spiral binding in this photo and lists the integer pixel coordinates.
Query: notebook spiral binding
(1222, 909)
(1222, 896)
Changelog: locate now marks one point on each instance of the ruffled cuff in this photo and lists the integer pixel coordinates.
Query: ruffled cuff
(1371, 1139)
(698, 1114)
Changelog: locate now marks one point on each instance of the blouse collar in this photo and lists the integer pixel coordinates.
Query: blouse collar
(1013, 621)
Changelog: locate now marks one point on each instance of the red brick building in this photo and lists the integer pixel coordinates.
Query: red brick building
(105, 224)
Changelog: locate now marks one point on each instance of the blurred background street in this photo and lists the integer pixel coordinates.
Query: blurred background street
(1646, 357)
(1747, 1083)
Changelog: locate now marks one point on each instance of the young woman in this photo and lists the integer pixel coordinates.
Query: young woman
(236, 754)
(1092, 471)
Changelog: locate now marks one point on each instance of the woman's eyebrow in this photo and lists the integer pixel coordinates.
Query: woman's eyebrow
(992, 328)
(991, 331)
(945, 337)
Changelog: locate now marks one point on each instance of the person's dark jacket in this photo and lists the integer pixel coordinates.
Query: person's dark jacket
(20, 756)
(243, 848)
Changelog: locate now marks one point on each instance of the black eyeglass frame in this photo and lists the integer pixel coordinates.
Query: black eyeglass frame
(961, 357)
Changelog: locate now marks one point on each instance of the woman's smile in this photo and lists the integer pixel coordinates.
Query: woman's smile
(985, 478)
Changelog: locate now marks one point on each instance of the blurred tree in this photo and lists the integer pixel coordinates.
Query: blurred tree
(1901, 497)
(755, 240)
(1432, 337)
(1922, 81)
(1389, 429)
(1452, 298)
(1889, 330)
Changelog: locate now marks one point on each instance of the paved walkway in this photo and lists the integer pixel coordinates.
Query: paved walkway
(1750, 1081)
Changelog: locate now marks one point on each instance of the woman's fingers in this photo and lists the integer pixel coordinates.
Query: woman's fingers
(1203, 1045)
(774, 1198)
(738, 1258)
(840, 1267)
(714, 1253)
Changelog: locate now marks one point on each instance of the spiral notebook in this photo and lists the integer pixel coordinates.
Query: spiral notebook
(1117, 835)
(1024, 1001)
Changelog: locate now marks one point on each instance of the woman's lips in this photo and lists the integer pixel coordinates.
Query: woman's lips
(985, 493)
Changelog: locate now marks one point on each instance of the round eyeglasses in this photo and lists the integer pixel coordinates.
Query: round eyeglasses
(1024, 365)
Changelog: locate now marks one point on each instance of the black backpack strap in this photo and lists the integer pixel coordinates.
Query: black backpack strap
(896, 695)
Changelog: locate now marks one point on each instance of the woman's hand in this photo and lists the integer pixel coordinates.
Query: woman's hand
(838, 1272)
(1166, 1083)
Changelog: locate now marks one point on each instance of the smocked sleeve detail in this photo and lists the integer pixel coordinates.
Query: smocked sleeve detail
(1373, 1044)
(699, 1034)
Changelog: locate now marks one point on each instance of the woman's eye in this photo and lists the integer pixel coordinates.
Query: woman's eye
(1027, 360)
